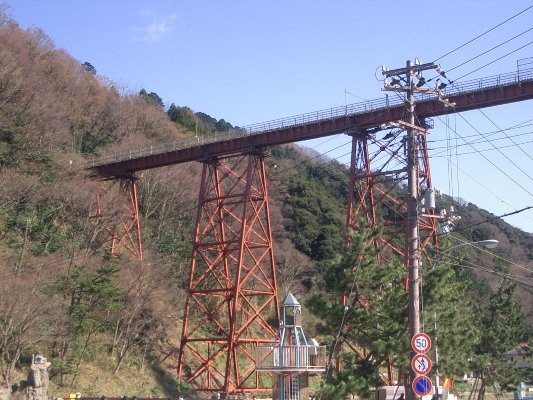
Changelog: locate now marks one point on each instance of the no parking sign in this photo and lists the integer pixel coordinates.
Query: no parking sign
(422, 385)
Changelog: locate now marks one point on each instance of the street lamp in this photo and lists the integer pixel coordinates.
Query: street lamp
(489, 244)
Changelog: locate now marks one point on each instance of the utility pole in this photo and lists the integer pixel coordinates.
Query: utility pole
(437, 379)
(403, 80)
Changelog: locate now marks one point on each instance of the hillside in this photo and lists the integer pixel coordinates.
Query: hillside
(109, 323)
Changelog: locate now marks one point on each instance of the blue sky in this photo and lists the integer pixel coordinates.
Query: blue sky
(251, 61)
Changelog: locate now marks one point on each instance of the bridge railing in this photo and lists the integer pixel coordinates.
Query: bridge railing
(316, 116)
(386, 102)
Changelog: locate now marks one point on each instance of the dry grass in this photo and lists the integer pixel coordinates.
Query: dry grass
(97, 379)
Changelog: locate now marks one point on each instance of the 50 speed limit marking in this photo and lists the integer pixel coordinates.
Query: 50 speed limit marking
(421, 343)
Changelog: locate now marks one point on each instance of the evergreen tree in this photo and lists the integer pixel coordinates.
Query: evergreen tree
(450, 318)
(222, 125)
(152, 98)
(375, 319)
(502, 328)
(87, 66)
(87, 298)
(183, 116)
(313, 222)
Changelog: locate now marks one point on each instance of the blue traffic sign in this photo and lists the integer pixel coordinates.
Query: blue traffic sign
(422, 385)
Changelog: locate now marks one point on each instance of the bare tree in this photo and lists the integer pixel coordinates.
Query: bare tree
(22, 316)
(139, 324)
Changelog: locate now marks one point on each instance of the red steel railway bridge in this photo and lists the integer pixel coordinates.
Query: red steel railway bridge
(232, 292)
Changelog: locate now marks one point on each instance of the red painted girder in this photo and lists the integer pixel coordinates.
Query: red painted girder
(475, 99)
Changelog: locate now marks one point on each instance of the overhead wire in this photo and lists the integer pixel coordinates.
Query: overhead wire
(487, 51)
(497, 197)
(483, 34)
(486, 251)
(453, 83)
(476, 150)
(494, 164)
(519, 279)
(483, 53)
(494, 61)
(477, 138)
(456, 158)
(505, 156)
(494, 255)
(484, 186)
(499, 217)
(508, 137)
(484, 150)
(448, 158)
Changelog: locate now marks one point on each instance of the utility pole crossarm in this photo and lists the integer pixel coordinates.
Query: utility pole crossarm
(413, 68)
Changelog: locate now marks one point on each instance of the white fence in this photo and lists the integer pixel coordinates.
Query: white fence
(290, 358)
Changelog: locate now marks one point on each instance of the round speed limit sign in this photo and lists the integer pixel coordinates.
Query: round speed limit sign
(421, 343)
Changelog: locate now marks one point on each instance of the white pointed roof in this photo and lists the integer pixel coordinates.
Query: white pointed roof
(291, 301)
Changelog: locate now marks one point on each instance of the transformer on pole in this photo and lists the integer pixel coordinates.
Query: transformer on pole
(232, 301)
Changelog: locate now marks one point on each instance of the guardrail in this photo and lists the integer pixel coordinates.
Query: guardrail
(316, 116)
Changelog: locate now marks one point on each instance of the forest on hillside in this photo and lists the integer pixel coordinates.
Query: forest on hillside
(98, 315)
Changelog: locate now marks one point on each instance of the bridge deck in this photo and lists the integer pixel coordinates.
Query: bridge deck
(469, 95)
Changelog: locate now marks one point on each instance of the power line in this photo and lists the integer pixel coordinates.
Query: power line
(489, 50)
(492, 254)
(477, 56)
(477, 140)
(508, 137)
(498, 217)
(504, 155)
(498, 168)
(474, 179)
(481, 151)
(497, 59)
(471, 265)
(486, 158)
(482, 34)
